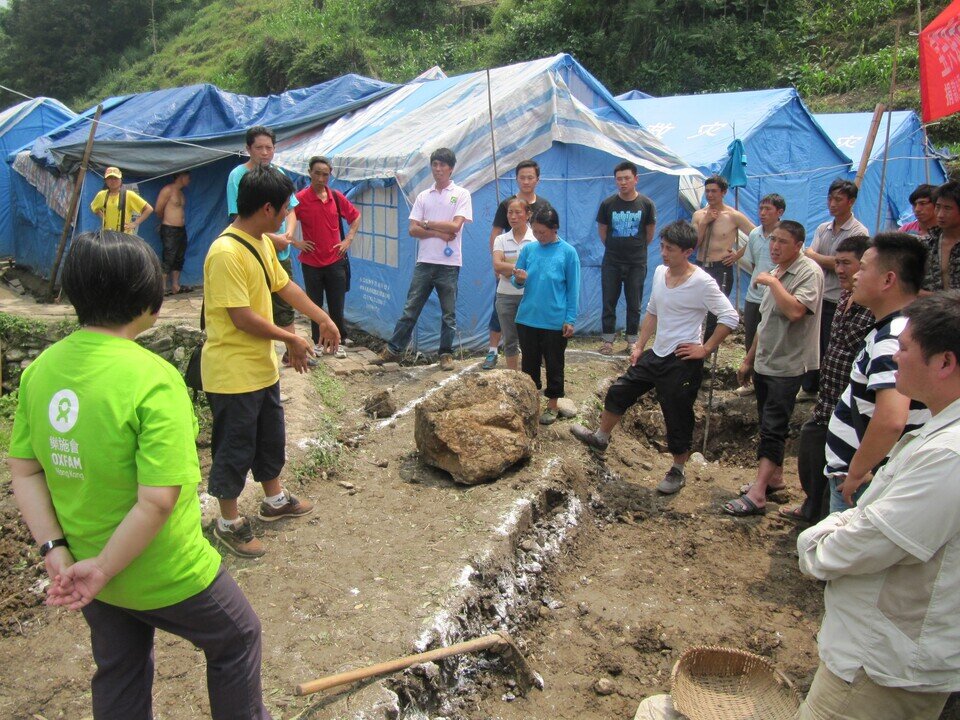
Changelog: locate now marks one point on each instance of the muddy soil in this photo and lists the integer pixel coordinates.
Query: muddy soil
(613, 580)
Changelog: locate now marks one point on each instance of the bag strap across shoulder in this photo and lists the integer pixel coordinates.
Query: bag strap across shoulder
(248, 246)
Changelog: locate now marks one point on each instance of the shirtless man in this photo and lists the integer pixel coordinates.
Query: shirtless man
(717, 226)
(171, 211)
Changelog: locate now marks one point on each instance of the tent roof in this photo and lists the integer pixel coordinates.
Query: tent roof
(145, 134)
(534, 104)
(701, 127)
(849, 130)
(13, 116)
(633, 95)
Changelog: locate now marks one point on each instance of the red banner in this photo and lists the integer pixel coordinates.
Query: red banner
(940, 65)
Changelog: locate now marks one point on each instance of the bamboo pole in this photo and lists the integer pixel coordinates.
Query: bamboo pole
(886, 146)
(868, 146)
(493, 144)
(74, 201)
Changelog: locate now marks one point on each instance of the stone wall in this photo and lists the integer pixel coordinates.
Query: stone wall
(22, 340)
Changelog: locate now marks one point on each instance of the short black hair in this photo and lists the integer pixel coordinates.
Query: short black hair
(776, 200)
(904, 255)
(626, 165)
(950, 190)
(795, 229)
(718, 180)
(444, 155)
(111, 278)
(179, 173)
(532, 164)
(935, 323)
(258, 130)
(320, 159)
(856, 244)
(844, 186)
(923, 191)
(263, 184)
(546, 215)
(679, 233)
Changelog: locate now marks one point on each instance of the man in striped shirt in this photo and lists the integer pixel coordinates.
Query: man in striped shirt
(871, 414)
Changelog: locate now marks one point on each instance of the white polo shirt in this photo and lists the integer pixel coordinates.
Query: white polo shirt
(441, 206)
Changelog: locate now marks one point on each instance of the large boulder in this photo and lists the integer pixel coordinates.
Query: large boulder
(479, 425)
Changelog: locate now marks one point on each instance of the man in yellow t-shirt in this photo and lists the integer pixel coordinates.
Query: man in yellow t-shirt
(239, 365)
(107, 204)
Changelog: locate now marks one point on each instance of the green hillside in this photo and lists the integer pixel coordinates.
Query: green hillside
(839, 55)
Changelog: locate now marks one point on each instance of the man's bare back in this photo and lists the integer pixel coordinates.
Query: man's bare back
(717, 231)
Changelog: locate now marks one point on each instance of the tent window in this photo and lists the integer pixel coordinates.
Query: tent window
(378, 239)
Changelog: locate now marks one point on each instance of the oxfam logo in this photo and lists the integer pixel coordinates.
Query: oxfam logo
(63, 410)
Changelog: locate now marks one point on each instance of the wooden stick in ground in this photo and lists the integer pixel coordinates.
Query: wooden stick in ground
(74, 201)
(881, 202)
(868, 145)
(499, 640)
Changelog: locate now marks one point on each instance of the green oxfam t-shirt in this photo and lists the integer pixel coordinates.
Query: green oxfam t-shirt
(103, 415)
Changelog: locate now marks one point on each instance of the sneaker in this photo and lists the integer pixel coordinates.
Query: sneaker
(606, 349)
(446, 362)
(386, 356)
(346, 341)
(293, 507)
(588, 437)
(489, 362)
(548, 417)
(806, 396)
(239, 539)
(672, 482)
(341, 353)
(312, 361)
(744, 391)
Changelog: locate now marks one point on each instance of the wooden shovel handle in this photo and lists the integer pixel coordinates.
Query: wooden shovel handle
(484, 643)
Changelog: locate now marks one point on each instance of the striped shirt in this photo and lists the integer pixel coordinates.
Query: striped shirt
(872, 370)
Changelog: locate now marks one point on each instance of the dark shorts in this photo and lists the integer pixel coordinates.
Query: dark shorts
(677, 383)
(174, 240)
(248, 434)
(282, 312)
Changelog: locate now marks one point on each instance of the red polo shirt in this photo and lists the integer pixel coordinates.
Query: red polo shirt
(318, 223)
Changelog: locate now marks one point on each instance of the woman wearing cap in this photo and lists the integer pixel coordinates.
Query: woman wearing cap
(115, 202)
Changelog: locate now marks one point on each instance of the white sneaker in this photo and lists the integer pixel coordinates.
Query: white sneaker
(341, 353)
(744, 391)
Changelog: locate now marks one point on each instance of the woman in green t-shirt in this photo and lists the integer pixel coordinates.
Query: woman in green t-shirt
(104, 468)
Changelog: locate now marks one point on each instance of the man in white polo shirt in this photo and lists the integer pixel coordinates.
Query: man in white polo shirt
(436, 222)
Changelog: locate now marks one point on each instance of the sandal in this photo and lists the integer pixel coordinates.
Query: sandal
(745, 488)
(743, 507)
(606, 349)
(793, 513)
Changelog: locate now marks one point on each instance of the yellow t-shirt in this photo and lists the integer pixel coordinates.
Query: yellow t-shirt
(235, 361)
(133, 205)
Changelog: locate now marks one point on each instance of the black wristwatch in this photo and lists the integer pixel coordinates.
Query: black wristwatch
(51, 544)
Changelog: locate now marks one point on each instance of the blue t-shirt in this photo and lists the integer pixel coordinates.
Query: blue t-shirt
(757, 253)
(233, 187)
(551, 293)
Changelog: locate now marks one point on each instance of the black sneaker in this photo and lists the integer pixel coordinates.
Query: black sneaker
(672, 482)
(588, 437)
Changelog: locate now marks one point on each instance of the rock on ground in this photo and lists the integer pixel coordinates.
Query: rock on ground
(380, 405)
(479, 425)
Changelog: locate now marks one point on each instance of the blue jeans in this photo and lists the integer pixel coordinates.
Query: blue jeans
(615, 277)
(837, 503)
(426, 278)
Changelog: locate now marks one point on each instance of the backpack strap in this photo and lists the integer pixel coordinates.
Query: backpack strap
(248, 246)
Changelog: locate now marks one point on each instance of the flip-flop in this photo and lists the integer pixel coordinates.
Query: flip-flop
(742, 507)
(793, 513)
(185, 289)
(745, 488)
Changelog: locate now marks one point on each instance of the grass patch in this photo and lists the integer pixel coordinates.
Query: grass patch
(321, 457)
(328, 387)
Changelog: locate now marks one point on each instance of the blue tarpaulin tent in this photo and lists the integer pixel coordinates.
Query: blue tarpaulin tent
(542, 109)
(907, 163)
(198, 128)
(19, 126)
(788, 152)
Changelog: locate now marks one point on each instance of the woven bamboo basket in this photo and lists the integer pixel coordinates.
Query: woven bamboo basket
(715, 683)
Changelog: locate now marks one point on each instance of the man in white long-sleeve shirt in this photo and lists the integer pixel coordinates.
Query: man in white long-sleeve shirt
(682, 296)
(890, 638)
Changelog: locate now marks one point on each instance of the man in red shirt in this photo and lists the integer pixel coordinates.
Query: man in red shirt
(323, 252)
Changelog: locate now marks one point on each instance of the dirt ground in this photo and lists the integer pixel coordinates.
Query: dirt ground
(594, 574)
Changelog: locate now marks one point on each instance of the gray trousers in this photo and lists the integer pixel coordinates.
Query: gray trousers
(218, 620)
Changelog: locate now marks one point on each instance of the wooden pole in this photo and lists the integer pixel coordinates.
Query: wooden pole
(493, 143)
(886, 145)
(74, 201)
(868, 146)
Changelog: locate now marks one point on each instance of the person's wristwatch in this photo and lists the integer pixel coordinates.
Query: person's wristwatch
(51, 544)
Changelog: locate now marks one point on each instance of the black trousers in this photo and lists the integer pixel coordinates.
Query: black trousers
(776, 398)
(751, 321)
(811, 459)
(723, 274)
(546, 347)
(328, 282)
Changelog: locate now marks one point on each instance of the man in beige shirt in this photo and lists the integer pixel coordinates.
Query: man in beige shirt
(718, 226)
(785, 347)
